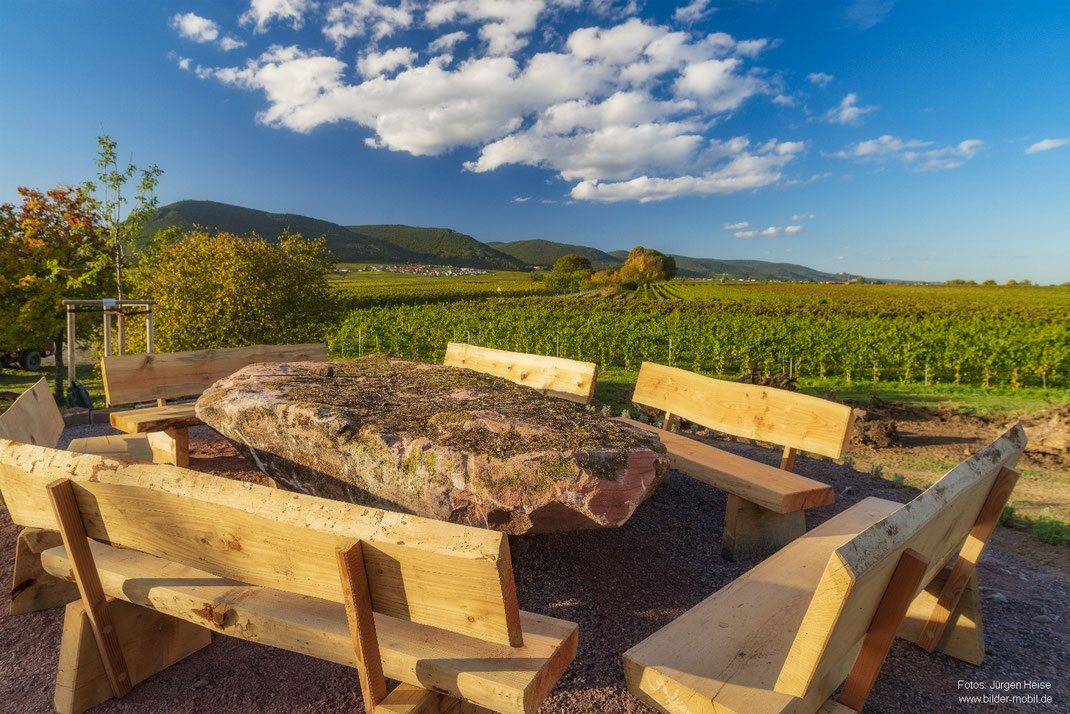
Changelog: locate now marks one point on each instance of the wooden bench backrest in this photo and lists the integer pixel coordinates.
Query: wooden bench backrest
(449, 576)
(172, 375)
(34, 418)
(790, 419)
(934, 524)
(553, 376)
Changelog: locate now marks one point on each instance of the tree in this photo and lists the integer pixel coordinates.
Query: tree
(122, 232)
(646, 265)
(221, 290)
(571, 263)
(50, 248)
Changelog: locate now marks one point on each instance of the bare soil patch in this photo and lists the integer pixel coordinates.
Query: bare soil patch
(619, 584)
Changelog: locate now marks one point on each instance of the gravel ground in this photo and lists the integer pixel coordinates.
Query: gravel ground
(620, 585)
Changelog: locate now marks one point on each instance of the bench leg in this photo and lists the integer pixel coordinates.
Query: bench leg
(964, 637)
(751, 531)
(33, 589)
(450, 705)
(170, 446)
(151, 642)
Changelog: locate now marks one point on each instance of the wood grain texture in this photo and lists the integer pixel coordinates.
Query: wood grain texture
(967, 558)
(32, 588)
(149, 419)
(497, 676)
(905, 582)
(751, 531)
(132, 447)
(775, 415)
(170, 446)
(553, 376)
(33, 418)
(724, 654)
(153, 642)
(436, 573)
(76, 543)
(767, 486)
(934, 525)
(171, 375)
(407, 699)
(964, 636)
(358, 602)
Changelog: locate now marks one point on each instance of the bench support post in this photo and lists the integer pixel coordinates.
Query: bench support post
(154, 642)
(967, 558)
(751, 531)
(882, 628)
(787, 461)
(32, 588)
(76, 542)
(170, 446)
(964, 636)
(358, 599)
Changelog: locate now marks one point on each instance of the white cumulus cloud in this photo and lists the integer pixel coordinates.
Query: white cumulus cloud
(746, 234)
(736, 226)
(793, 230)
(623, 112)
(913, 152)
(693, 11)
(262, 12)
(357, 18)
(848, 111)
(821, 79)
(229, 43)
(1047, 145)
(194, 27)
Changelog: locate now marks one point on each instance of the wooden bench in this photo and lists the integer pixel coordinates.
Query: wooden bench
(552, 376)
(34, 418)
(766, 505)
(159, 376)
(173, 553)
(782, 637)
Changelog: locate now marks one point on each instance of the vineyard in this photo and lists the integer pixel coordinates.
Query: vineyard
(905, 334)
(368, 289)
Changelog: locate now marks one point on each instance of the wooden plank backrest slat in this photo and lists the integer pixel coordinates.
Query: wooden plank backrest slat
(746, 410)
(555, 376)
(934, 525)
(445, 575)
(34, 417)
(171, 375)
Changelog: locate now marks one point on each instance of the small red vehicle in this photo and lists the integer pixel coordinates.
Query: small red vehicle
(29, 360)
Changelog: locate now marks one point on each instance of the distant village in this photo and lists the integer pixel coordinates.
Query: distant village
(428, 270)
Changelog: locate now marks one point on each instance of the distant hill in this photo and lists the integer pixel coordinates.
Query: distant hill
(347, 245)
(444, 246)
(546, 252)
(740, 269)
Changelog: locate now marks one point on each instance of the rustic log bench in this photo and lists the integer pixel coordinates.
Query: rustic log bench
(159, 376)
(553, 376)
(766, 504)
(34, 418)
(162, 555)
(782, 637)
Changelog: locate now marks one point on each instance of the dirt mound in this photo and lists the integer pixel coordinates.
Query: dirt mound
(1049, 434)
(875, 430)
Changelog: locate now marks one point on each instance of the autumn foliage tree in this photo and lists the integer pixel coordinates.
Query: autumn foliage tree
(571, 263)
(223, 290)
(50, 248)
(646, 265)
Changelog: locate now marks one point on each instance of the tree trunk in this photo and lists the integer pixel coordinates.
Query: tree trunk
(60, 376)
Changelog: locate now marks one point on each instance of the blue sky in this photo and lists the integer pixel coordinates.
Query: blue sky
(903, 140)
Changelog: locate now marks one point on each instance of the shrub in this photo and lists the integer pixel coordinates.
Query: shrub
(1051, 530)
(222, 290)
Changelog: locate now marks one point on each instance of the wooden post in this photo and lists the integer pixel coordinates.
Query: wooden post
(882, 628)
(107, 333)
(358, 599)
(987, 518)
(150, 345)
(75, 540)
(120, 321)
(668, 421)
(71, 371)
(751, 531)
(787, 461)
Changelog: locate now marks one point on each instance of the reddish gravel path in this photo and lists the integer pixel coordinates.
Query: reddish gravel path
(620, 585)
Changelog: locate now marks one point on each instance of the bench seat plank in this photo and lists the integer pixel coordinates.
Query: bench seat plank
(768, 486)
(725, 653)
(169, 416)
(132, 447)
(507, 679)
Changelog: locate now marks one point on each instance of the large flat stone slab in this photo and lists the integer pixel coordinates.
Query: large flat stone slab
(441, 442)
